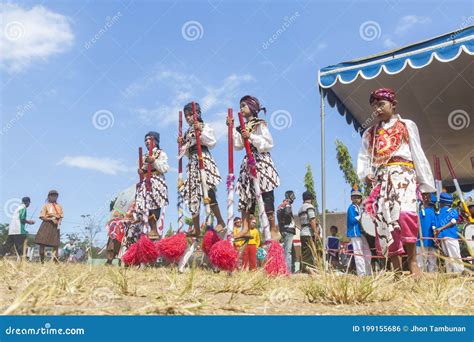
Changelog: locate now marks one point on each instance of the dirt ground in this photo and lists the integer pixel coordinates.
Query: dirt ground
(78, 289)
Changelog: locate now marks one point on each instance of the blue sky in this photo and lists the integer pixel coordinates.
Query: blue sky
(83, 81)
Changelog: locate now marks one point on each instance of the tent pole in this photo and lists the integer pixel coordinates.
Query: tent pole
(323, 177)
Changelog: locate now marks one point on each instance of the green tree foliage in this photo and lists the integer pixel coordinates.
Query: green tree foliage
(345, 165)
(309, 185)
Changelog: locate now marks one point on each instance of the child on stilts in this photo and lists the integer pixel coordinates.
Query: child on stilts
(191, 190)
(152, 191)
(261, 142)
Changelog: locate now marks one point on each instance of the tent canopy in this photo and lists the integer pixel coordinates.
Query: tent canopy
(434, 81)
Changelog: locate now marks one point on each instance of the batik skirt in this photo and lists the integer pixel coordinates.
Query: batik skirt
(393, 208)
(191, 192)
(268, 179)
(156, 198)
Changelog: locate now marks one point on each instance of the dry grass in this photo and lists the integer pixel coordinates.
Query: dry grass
(65, 289)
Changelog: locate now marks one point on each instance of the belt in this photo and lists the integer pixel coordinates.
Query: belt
(193, 149)
(153, 172)
(409, 164)
(400, 161)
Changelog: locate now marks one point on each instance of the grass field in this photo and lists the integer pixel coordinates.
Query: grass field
(78, 289)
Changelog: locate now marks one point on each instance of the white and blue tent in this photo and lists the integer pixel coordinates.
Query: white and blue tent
(434, 81)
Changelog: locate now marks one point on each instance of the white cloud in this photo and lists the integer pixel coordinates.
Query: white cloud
(105, 165)
(30, 35)
(407, 22)
(185, 88)
(389, 43)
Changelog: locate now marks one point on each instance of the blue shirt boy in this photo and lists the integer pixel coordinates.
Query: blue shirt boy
(447, 215)
(428, 223)
(353, 217)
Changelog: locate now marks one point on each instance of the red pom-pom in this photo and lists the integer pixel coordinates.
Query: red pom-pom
(142, 251)
(146, 250)
(276, 263)
(209, 239)
(131, 255)
(223, 255)
(172, 248)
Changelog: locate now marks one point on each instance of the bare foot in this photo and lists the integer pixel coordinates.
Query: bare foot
(153, 235)
(193, 233)
(415, 271)
(219, 228)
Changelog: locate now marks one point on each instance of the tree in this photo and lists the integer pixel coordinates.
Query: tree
(345, 165)
(90, 231)
(309, 185)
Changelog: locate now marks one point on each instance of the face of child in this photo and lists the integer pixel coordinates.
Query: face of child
(27, 204)
(333, 231)
(238, 224)
(148, 142)
(245, 110)
(53, 198)
(426, 197)
(188, 115)
(383, 109)
(357, 200)
(253, 224)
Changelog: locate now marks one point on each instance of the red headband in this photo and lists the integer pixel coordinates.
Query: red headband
(382, 94)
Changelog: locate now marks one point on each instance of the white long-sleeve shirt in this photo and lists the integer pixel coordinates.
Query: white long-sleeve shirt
(208, 139)
(161, 161)
(260, 138)
(409, 151)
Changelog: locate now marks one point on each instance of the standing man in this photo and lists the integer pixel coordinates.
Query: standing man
(287, 227)
(16, 230)
(309, 232)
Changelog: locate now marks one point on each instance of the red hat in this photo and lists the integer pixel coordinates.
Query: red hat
(382, 94)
